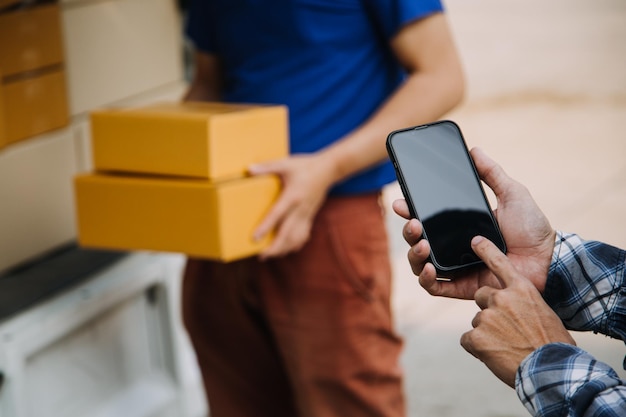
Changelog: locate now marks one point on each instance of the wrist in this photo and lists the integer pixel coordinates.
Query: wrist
(332, 165)
(546, 258)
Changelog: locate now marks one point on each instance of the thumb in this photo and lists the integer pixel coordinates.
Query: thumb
(270, 167)
(490, 172)
(496, 261)
(401, 208)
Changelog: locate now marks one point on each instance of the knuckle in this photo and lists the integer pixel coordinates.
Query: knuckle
(498, 298)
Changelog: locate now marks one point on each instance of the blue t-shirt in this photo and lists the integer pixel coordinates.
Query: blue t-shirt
(328, 61)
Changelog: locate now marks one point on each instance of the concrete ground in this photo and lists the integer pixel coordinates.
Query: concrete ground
(547, 99)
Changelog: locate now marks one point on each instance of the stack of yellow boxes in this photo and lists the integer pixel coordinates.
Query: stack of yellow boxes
(173, 177)
(33, 96)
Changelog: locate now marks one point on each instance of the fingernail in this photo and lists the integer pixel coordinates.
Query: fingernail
(476, 240)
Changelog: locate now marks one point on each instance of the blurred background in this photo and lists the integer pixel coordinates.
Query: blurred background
(546, 98)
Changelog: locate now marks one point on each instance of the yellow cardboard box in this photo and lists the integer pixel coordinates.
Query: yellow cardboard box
(3, 135)
(214, 141)
(32, 105)
(30, 39)
(195, 217)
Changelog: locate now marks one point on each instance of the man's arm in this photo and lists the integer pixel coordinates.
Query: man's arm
(518, 336)
(433, 87)
(207, 79)
(563, 380)
(586, 285)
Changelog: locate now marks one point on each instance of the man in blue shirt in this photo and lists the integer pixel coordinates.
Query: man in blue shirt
(547, 282)
(306, 328)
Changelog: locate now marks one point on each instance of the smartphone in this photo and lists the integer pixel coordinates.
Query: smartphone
(443, 190)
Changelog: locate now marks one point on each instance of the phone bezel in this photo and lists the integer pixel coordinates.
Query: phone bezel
(442, 270)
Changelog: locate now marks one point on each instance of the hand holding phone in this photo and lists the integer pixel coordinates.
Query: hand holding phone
(442, 189)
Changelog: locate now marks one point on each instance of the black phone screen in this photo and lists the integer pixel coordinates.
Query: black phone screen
(443, 191)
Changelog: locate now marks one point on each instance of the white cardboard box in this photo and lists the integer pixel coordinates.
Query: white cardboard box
(119, 48)
(36, 196)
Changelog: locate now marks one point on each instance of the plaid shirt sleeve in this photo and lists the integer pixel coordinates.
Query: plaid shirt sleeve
(586, 287)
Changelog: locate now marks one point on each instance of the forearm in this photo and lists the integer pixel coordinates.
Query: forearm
(423, 97)
(435, 84)
(200, 93)
(586, 285)
(206, 82)
(560, 379)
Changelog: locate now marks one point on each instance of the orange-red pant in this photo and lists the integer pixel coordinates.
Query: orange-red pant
(309, 334)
